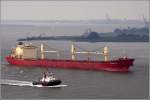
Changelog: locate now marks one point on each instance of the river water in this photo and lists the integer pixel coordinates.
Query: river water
(82, 84)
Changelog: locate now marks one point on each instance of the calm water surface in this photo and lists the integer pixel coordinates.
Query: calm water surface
(89, 84)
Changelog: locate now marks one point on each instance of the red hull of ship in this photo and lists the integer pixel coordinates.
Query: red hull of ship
(120, 65)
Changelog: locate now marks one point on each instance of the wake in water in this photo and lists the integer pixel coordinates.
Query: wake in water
(4, 63)
(25, 83)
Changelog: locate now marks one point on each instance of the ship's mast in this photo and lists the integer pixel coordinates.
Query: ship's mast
(105, 53)
(74, 52)
(43, 51)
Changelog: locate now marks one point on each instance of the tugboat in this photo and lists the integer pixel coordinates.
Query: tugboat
(48, 79)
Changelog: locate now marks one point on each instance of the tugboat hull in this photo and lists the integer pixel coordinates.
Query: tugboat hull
(51, 83)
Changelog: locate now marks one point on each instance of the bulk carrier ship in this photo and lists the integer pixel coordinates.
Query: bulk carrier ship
(27, 55)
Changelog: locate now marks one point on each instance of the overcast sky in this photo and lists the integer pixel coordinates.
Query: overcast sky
(73, 10)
